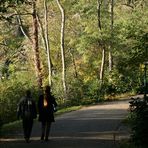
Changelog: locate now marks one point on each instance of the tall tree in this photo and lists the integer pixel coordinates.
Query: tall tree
(63, 47)
(101, 44)
(111, 32)
(47, 41)
(35, 44)
(34, 41)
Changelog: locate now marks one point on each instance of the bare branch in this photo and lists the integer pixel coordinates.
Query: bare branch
(22, 29)
(128, 5)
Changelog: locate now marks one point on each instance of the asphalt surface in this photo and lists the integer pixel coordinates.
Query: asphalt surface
(97, 126)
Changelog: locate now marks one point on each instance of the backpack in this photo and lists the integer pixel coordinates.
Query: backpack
(27, 109)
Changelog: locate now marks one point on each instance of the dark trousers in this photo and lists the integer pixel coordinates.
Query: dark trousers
(45, 130)
(27, 127)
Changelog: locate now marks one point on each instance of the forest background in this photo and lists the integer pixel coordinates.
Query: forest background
(86, 50)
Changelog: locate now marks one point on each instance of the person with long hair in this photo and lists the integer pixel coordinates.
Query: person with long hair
(46, 105)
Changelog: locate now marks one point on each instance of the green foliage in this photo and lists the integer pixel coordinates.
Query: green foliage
(75, 91)
(11, 92)
(5, 4)
(138, 120)
(11, 127)
(83, 50)
(119, 83)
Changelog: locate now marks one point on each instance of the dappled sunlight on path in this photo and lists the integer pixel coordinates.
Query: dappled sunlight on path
(90, 127)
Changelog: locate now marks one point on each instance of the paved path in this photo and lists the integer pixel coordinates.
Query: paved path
(96, 126)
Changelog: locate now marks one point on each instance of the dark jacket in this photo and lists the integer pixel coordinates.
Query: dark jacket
(46, 114)
(23, 104)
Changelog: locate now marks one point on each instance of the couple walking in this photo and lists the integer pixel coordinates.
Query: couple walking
(27, 111)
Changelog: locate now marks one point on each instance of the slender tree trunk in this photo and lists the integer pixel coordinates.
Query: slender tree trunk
(111, 30)
(47, 42)
(35, 45)
(110, 59)
(62, 48)
(101, 44)
(99, 14)
(18, 17)
(102, 66)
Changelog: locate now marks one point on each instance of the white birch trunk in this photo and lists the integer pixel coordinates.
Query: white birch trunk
(102, 66)
(111, 30)
(47, 42)
(62, 47)
(101, 44)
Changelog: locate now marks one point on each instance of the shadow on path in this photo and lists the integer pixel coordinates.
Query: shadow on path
(62, 142)
(91, 127)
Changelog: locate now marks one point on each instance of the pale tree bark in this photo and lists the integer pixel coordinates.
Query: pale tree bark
(101, 44)
(102, 66)
(47, 42)
(18, 17)
(62, 47)
(35, 45)
(111, 30)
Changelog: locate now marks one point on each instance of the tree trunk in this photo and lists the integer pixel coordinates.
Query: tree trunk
(35, 45)
(102, 66)
(110, 59)
(111, 30)
(101, 44)
(47, 42)
(99, 14)
(62, 48)
(34, 42)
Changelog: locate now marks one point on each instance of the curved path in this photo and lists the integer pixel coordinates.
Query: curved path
(96, 126)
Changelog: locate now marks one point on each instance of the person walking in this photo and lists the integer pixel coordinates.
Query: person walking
(46, 108)
(27, 111)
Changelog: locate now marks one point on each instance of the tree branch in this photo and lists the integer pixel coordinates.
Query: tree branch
(22, 29)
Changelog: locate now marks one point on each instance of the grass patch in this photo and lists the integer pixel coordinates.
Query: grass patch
(119, 96)
(12, 127)
(67, 109)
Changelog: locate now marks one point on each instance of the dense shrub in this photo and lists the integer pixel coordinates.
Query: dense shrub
(78, 91)
(11, 92)
(118, 83)
(9, 96)
(139, 121)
